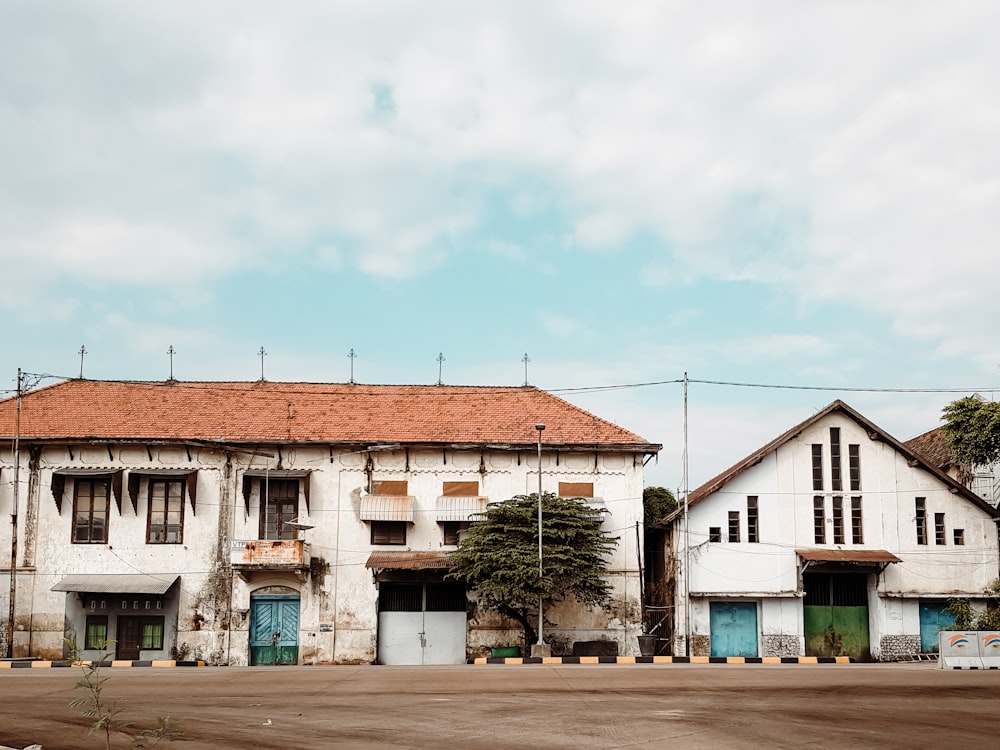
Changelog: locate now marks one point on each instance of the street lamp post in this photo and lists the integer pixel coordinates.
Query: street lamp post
(540, 427)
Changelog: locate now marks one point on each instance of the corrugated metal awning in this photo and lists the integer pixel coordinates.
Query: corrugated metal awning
(408, 561)
(111, 583)
(459, 508)
(848, 555)
(387, 508)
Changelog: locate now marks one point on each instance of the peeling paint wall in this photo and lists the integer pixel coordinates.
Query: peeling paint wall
(211, 611)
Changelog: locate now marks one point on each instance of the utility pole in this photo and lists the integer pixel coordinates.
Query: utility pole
(13, 515)
(687, 534)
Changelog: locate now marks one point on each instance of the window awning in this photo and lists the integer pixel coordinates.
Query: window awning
(58, 484)
(263, 475)
(189, 476)
(459, 508)
(111, 583)
(408, 561)
(848, 555)
(387, 508)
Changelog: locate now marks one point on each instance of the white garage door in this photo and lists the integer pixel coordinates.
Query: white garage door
(421, 623)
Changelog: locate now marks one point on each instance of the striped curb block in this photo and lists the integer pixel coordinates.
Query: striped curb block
(116, 664)
(665, 660)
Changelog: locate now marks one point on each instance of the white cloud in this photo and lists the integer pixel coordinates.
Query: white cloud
(844, 151)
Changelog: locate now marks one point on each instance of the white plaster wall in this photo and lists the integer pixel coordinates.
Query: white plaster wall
(338, 612)
(782, 481)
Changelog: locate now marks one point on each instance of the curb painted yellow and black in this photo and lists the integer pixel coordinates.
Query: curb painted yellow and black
(664, 660)
(114, 664)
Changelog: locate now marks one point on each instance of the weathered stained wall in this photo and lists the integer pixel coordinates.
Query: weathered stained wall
(338, 596)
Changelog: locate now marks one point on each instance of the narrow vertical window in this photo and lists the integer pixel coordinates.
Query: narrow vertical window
(835, 483)
(854, 461)
(921, 519)
(939, 536)
(817, 456)
(90, 511)
(857, 524)
(280, 504)
(838, 520)
(734, 526)
(752, 529)
(819, 519)
(166, 511)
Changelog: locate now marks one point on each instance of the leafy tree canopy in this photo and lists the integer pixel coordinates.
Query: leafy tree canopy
(657, 503)
(498, 557)
(972, 427)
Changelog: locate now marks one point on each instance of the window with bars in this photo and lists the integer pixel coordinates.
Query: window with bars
(753, 534)
(959, 535)
(817, 464)
(939, 534)
(166, 511)
(921, 520)
(838, 520)
(91, 506)
(857, 522)
(715, 533)
(854, 464)
(835, 481)
(819, 519)
(280, 504)
(734, 526)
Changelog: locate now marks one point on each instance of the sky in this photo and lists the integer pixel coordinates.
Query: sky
(798, 194)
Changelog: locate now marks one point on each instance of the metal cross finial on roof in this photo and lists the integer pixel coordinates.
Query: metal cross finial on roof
(440, 362)
(262, 354)
(526, 359)
(83, 351)
(352, 356)
(171, 351)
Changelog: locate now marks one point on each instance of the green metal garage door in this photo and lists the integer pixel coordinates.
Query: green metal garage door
(835, 615)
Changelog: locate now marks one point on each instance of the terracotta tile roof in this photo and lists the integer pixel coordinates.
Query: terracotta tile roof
(933, 447)
(263, 411)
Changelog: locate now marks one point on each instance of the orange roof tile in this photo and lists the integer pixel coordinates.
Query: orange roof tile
(263, 411)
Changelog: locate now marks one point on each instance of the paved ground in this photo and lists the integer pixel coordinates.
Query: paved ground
(696, 707)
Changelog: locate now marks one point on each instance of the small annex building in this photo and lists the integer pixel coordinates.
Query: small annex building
(834, 539)
(296, 523)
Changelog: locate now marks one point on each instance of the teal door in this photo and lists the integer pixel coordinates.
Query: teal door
(734, 628)
(934, 617)
(274, 630)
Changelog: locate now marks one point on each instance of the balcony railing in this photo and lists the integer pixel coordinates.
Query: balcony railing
(269, 554)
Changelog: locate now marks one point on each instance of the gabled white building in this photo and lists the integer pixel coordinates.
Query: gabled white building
(287, 522)
(834, 539)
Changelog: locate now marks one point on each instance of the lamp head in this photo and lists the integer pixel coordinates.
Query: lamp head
(539, 427)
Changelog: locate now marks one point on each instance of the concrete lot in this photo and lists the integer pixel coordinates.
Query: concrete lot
(531, 706)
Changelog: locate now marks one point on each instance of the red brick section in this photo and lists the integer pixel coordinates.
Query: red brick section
(308, 412)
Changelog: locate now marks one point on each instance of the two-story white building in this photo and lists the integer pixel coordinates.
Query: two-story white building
(834, 539)
(257, 523)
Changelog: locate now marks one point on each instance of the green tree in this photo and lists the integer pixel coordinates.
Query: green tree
(498, 557)
(972, 427)
(657, 503)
